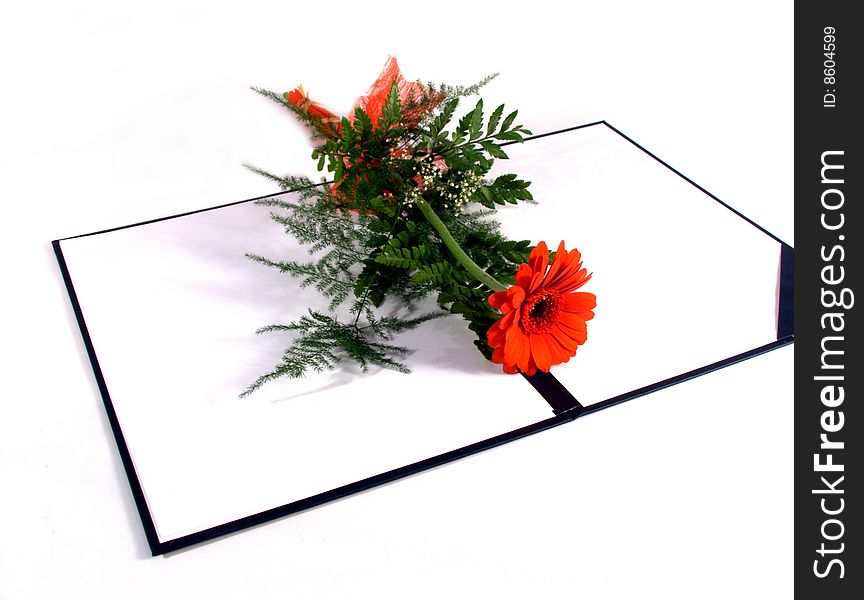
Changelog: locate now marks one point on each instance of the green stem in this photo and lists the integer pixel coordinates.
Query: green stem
(473, 268)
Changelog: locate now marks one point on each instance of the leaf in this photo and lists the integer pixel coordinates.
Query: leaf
(493, 149)
(404, 258)
(471, 154)
(435, 273)
(440, 121)
(362, 122)
(476, 125)
(463, 127)
(509, 121)
(391, 114)
(484, 196)
(510, 135)
(494, 119)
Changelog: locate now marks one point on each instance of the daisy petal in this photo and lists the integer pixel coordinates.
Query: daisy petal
(498, 356)
(538, 261)
(516, 348)
(523, 276)
(558, 353)
(540, 352)
(578, 302)
(498, 299)
(578, 332)
(565, 340)
(570, 277)
(515, 296)
(543, 320)
(557, 264)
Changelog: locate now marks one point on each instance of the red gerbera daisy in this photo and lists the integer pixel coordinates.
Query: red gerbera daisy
(544, 317)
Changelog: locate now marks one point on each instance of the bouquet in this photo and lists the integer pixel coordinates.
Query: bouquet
(409, 214)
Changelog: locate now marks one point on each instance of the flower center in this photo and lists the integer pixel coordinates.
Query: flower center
(540, 311)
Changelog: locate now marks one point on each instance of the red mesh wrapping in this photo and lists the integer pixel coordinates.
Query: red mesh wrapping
(421, 98)
(409, 91)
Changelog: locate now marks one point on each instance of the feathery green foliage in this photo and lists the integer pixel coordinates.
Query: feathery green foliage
(372, 242)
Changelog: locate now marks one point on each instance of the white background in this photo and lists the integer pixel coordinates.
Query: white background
(114, 113)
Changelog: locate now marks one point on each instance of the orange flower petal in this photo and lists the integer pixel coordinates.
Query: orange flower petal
(557, 353)
(497, 332)
(572, 320)
(561, 257)
(575, 330)
(495, 338)
(498, 299)
(569, 274)
(543, 319)
(540, 352)
(573, 281)
(579, 302)
(524, 274)
(564, 339)
(538, 260)
(515, 295)
(517, 348)
(498, 356)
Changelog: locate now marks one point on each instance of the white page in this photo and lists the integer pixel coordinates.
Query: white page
(681, 281)
(172, 307)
